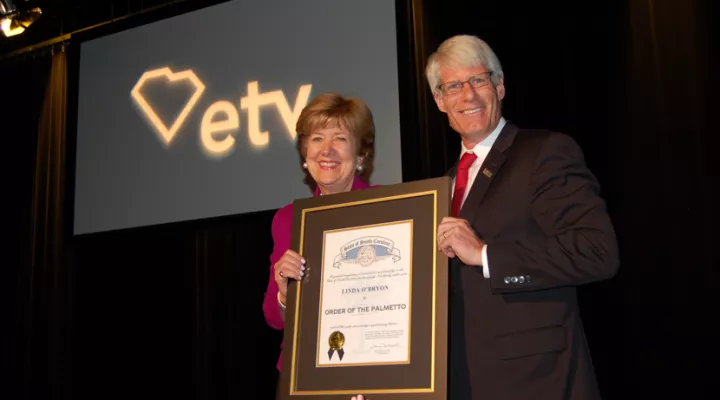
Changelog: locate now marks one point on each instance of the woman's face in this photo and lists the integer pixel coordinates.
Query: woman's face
(332, 159)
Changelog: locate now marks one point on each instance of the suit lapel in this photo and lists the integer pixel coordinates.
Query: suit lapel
(488, 171)
(484, 178)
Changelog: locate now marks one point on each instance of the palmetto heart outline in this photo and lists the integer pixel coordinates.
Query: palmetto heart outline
(165, 133)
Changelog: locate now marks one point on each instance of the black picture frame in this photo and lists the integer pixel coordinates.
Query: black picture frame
(425, 202)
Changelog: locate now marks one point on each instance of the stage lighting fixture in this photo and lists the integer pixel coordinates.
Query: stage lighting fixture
(13, 21)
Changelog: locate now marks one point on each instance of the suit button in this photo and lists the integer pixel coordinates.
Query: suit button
(521, 279)
(514, 279)
(507, 280)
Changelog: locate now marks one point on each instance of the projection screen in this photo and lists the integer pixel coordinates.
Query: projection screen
(193, 116)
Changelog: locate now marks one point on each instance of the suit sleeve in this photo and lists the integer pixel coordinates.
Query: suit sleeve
(571, 240)
(281, 242)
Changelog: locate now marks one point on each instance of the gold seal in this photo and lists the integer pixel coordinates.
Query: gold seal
(337, 340)
(366, 255)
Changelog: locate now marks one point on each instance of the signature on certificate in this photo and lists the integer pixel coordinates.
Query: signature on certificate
(384, 345)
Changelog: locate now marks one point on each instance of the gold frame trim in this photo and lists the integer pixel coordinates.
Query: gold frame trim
(293, 370)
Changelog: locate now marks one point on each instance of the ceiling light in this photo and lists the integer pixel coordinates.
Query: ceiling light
(14, 22)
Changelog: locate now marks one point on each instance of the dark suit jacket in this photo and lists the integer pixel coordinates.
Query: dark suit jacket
(518, 335)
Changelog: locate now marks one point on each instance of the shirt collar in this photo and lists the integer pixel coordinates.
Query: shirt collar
(483, 148)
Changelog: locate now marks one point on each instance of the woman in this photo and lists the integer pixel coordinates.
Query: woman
(335, 140)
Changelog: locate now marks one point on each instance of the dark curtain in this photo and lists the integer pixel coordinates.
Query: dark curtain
(48, 303)
(670, 216)
(36, 299)
(24, 80)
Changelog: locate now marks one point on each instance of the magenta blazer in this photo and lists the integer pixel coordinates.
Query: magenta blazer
(281, 234)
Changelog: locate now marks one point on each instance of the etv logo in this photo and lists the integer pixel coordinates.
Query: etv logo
(216, 133)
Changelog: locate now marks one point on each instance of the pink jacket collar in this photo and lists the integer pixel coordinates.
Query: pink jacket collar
(357, 185)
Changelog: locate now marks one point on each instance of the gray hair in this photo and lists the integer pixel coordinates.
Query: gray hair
(462, 51)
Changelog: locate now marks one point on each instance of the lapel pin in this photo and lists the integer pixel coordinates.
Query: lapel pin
(487, 173)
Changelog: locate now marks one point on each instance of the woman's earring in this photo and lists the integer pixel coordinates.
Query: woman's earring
(304, 165)
(360, 168)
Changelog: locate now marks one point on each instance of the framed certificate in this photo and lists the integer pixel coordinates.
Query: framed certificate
(370, 315)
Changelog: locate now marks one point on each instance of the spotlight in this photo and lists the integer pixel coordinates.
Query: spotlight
(14, 22)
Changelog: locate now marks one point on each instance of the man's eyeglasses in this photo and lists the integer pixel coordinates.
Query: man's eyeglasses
(476, 81)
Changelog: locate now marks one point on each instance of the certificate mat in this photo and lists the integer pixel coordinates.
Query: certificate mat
(370, 315)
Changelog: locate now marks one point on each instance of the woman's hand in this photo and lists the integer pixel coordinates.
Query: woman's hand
(358, 397)
(290, 266)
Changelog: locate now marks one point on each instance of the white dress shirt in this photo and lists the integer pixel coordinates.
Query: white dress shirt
(481, 150)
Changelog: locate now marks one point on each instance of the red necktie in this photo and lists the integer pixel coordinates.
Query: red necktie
(461, 179)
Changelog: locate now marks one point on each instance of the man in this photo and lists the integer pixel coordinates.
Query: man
(528, 227)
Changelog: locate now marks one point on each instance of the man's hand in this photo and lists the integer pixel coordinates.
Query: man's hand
(457, 239)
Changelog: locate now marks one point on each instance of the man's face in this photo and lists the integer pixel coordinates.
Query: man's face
(475, 111)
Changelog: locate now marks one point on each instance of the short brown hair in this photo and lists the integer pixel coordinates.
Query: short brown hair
(332, 109)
